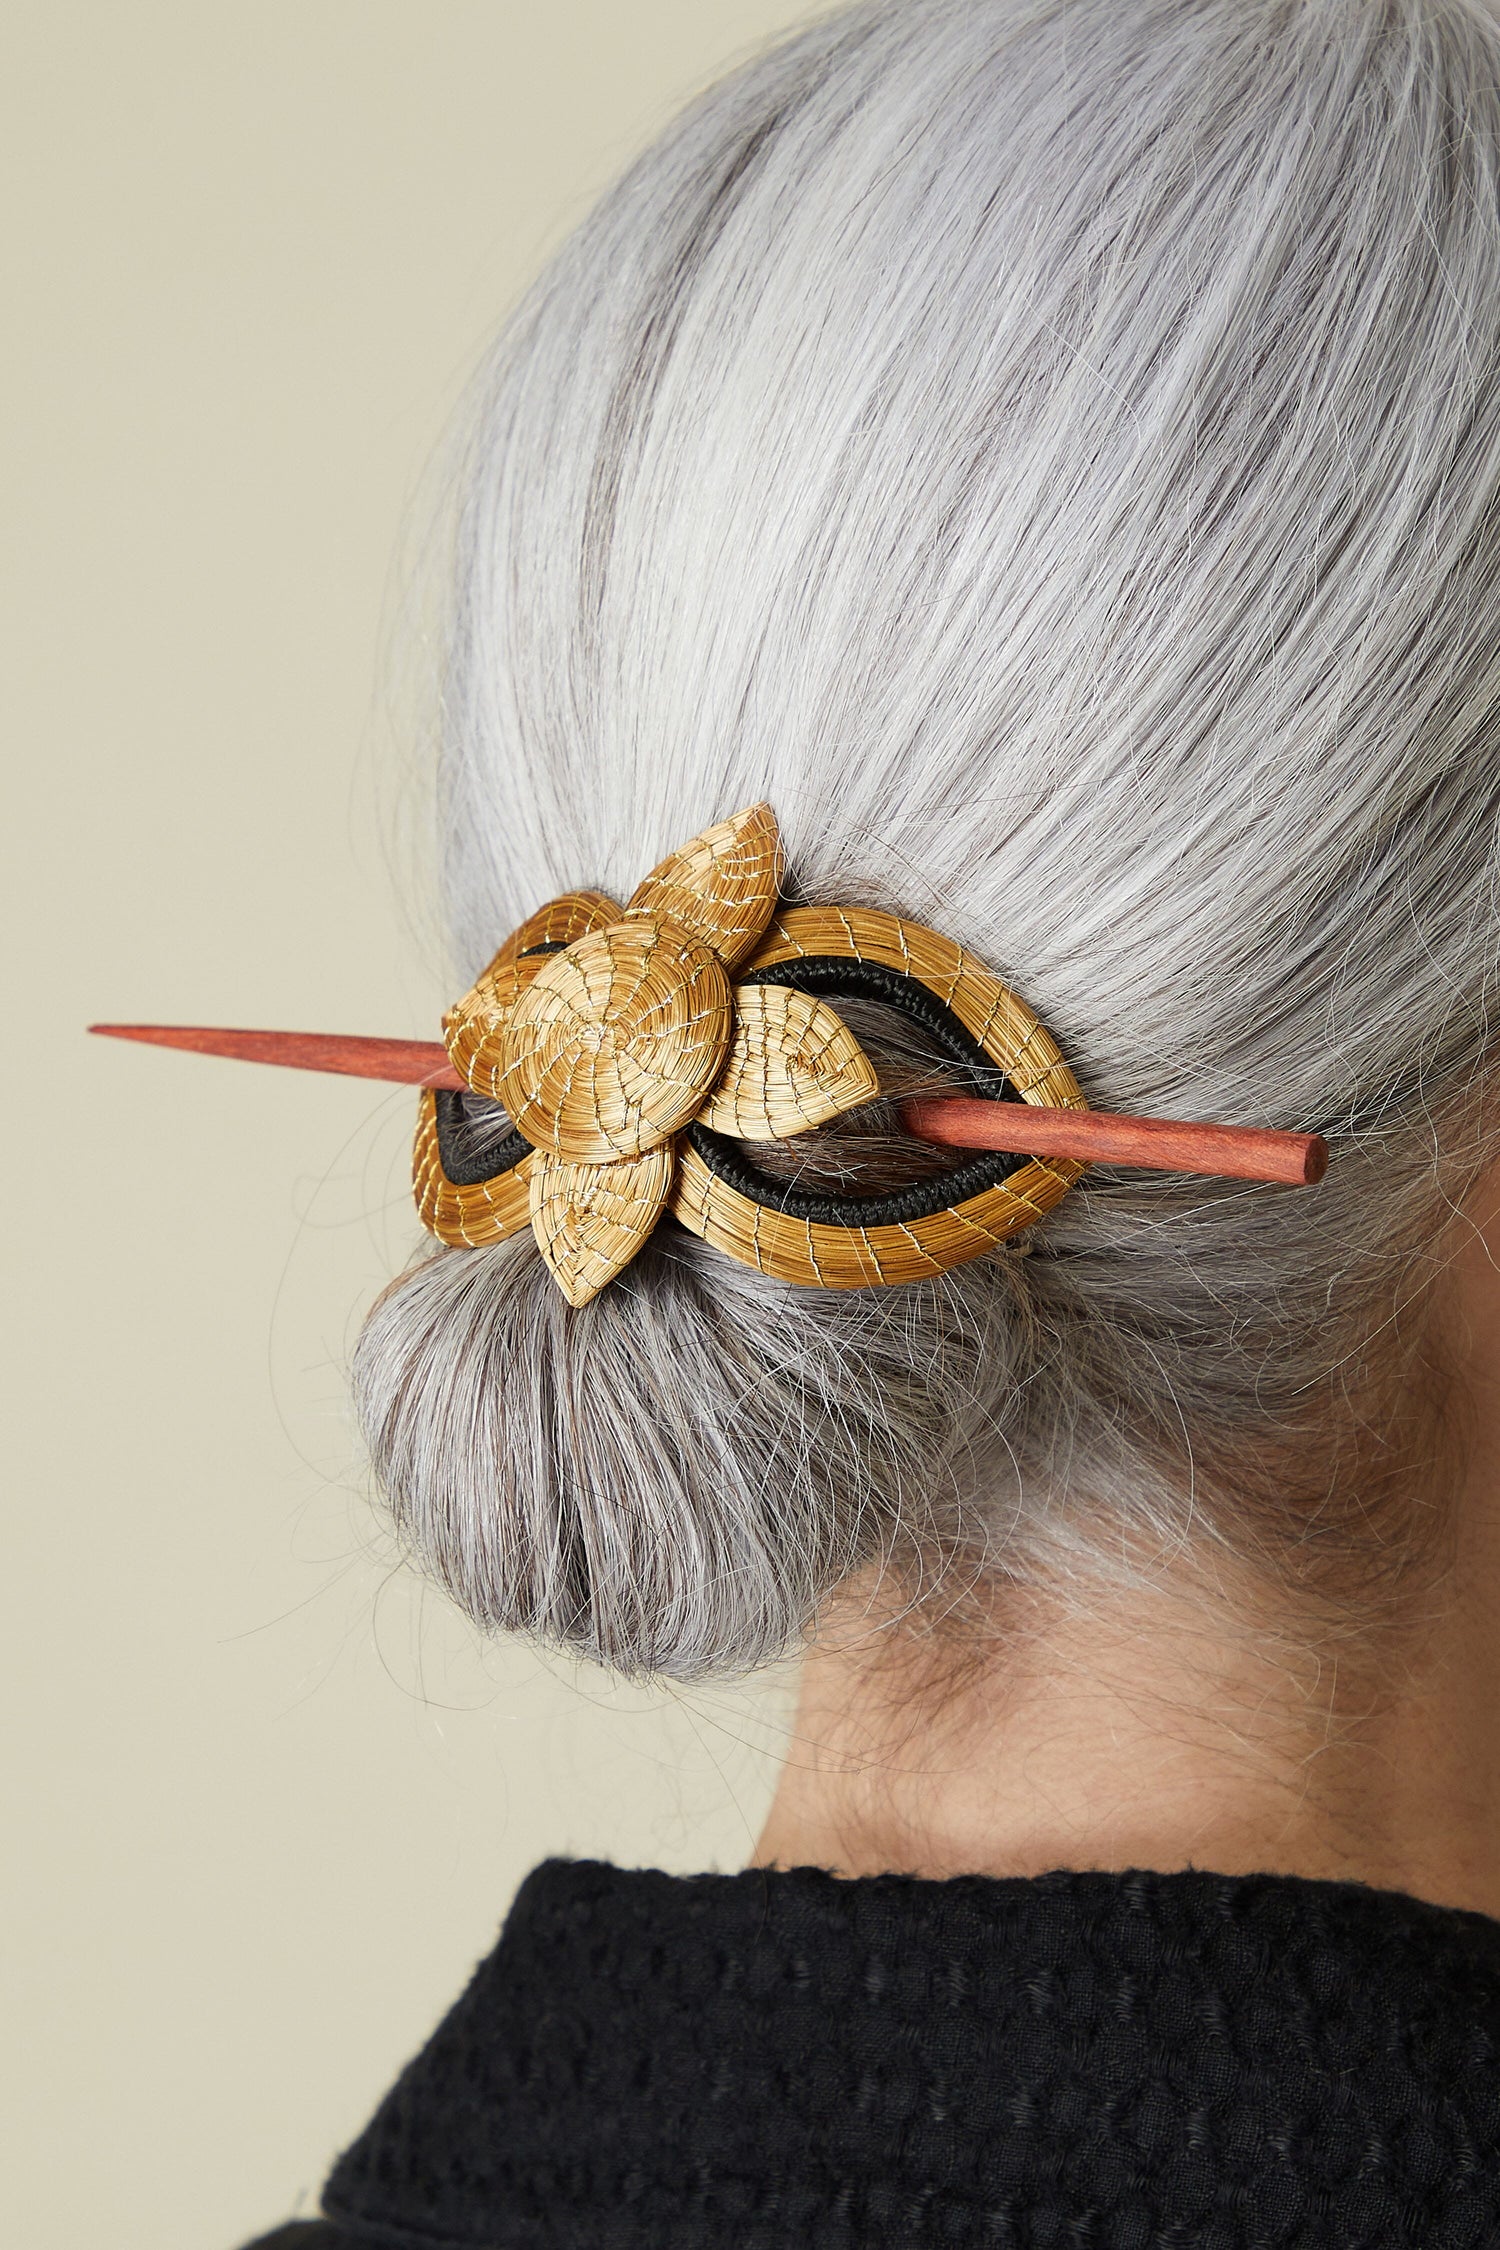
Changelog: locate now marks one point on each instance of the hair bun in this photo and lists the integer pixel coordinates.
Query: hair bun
(669, 1479)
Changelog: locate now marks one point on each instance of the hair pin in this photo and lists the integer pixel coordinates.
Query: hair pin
(639, 1052)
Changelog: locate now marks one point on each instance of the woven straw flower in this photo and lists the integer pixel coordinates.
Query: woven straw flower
(605, 1030)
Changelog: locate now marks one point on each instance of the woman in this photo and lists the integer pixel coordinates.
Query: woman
(1048, 451)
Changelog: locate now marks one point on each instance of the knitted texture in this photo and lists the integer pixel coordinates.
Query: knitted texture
(768, 2061)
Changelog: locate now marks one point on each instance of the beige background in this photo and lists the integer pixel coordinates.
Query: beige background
(266, 1801)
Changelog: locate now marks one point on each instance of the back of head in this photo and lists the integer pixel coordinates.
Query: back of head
(1051, 450)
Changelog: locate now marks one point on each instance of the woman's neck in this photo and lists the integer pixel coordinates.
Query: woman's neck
(1161, 1730)
(1152, 1734)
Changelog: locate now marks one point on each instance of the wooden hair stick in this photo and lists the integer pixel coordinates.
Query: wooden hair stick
(1093, 1136)
(399, 1062)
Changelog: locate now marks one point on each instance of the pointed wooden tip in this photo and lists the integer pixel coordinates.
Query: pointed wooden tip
(1092, 1136)
(396, 1062)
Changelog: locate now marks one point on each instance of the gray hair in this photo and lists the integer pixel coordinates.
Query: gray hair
(1051, 450)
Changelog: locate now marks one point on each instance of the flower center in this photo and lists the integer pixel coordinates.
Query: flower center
(616, 1043)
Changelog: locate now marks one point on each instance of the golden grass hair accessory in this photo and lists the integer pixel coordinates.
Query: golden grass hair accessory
(638, 1051)
(605, 1047)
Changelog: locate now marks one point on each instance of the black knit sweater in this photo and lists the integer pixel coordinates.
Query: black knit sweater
(772, 2061)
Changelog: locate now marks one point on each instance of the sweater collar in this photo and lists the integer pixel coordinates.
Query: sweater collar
(778, 2059)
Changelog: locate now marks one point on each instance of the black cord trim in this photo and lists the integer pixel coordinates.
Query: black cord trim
(466, 1168)
(728, 1162)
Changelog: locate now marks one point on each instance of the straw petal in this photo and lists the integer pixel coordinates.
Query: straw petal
(591, 1219)
(560, 922)
(473, 1027)
(722, 887)
(793, 1063)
